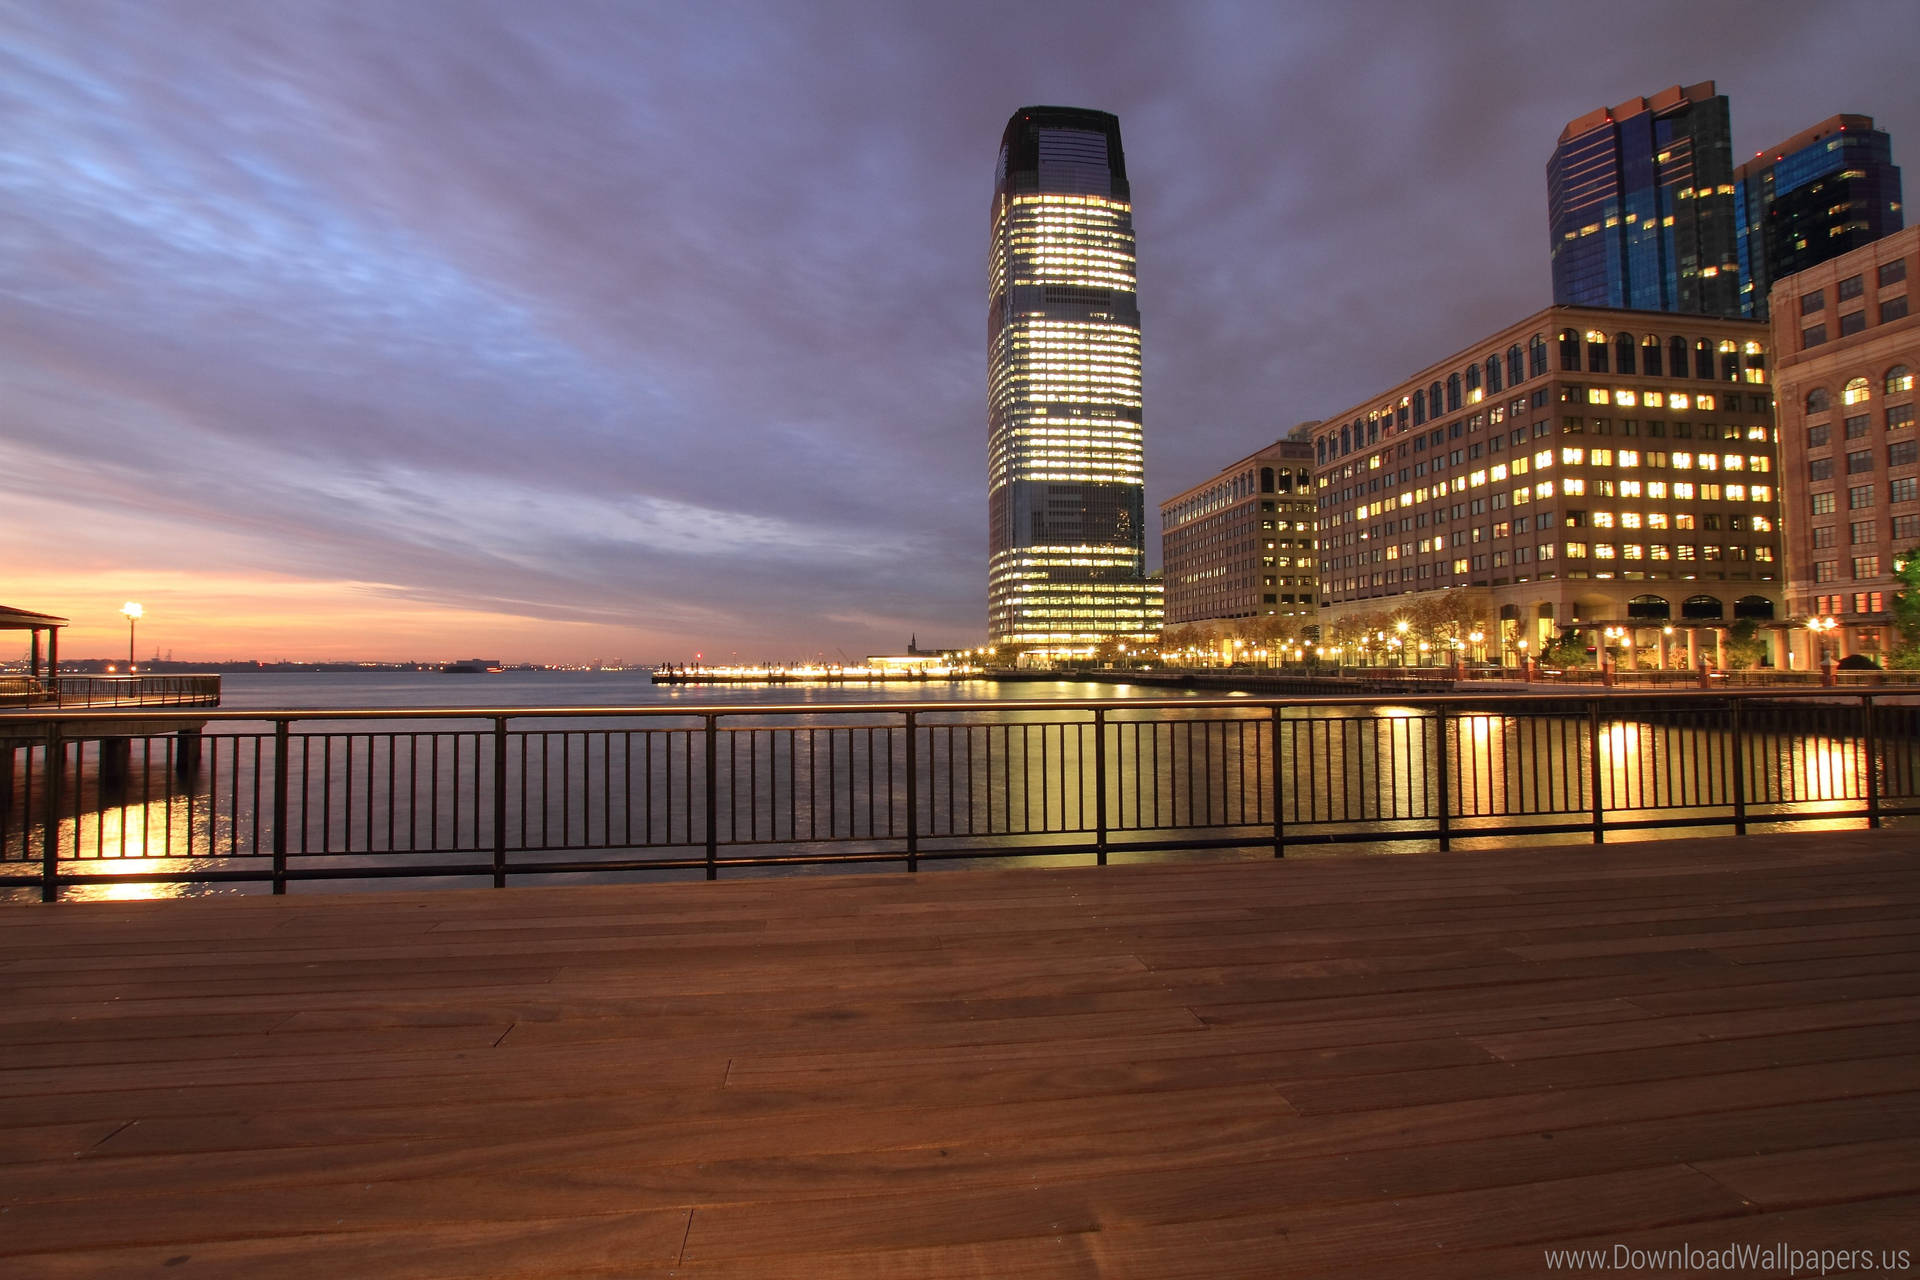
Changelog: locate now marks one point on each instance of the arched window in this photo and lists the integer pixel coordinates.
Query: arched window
(1729, 360)
(1817, 400)
(1536, 356)
(1856, 392)
(1623, 347)
(1701, 607)
(1569, 350)
(1346, 440)
(1493, 373)
(1756, 608)
(1596, 351)
(1899, 378)
(1433, 401)
(1516, 366)
(1320, 451)
(1453, 391)
(1419, 408)
(1473, 380)
(1649, 608)
(1266, 479)
(1677, 357)
(1650, 356)
(1703, 360)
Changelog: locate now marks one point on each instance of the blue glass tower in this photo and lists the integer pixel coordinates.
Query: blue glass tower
(1819, 194)
(1640, 200)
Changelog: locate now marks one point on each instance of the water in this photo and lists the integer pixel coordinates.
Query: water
(273, 691)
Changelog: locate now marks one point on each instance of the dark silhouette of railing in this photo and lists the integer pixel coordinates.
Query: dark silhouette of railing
(499, 793)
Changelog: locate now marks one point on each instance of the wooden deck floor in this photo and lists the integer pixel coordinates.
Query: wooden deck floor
(1426, 1065)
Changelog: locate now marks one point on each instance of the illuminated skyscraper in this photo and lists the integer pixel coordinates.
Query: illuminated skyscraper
(1640, 202)
(1066, 477)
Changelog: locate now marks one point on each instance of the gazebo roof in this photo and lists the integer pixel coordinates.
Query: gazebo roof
(12, 619)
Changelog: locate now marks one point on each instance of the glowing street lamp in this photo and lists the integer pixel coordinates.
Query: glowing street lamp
(1821, 628)
(133, 612)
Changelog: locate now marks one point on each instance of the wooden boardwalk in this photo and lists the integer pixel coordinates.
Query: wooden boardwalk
(1421, 1065)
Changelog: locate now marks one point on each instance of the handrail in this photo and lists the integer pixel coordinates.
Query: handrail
(696, 711)
(289, 794)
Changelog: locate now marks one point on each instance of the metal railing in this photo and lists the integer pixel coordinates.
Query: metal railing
(110, 691)
(512, 792)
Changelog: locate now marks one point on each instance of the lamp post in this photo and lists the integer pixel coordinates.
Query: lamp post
(1822, 628)
(1526, 659)
(133, 612)
(1478, 638)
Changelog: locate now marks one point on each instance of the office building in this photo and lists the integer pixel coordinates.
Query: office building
(1849, 345)
(1640, 201)
(1821, 193)
(1580, 469)
(1066, 469)
(1241, 544)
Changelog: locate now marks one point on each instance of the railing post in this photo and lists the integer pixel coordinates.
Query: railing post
(1442, 775)
(1739, 753)
(50, 822)
(1279, 816)
(1870, 746)
(913, 792)
(280, 742)
(713, 797)
(1100, 785)
(1594, 774)
(499, 802)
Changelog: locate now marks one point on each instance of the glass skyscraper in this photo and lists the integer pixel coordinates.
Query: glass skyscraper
(1641, 205)
(1066, 475)
(1821, 193)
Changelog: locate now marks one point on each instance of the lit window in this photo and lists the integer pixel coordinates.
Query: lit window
(1573, 457)
(1705, 402)
(1625, 399)
(1855, 393)
(1597, 395)
(1678, 400)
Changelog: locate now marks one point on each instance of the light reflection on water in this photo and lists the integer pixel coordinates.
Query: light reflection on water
(1339, 769)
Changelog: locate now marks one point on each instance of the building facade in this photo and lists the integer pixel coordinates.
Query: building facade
(1241, 545)
(1066, 475)
(1581, 469)
(1850, 478)
(1823, 192)
(1640, 203)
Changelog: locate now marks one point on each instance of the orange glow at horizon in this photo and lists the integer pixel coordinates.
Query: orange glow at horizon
(199, 617)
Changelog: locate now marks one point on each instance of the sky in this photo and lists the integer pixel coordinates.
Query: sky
(586, 331)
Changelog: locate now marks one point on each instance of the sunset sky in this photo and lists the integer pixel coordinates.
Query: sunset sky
(413, 330)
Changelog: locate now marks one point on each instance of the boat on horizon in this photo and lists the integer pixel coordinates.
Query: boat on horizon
(473, 666)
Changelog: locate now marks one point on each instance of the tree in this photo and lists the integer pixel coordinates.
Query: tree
(1906, 610)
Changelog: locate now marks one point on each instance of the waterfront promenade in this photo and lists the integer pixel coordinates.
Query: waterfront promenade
(1430, 1064)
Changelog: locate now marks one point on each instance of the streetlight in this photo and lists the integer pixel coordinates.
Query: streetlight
(1821, 628)
(133, 612)
(1479, 638)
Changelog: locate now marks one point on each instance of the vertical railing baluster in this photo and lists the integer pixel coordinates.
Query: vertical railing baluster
(1870, 748)
(1441, 774)
(1594, 775)
(499, 801)
(280, 746)
(1100, 784)
(1279, 815)
(50, 829)
(913, 790)
(1739, 762)
(713, 797)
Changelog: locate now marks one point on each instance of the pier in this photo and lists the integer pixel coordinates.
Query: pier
(1434, 1065)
